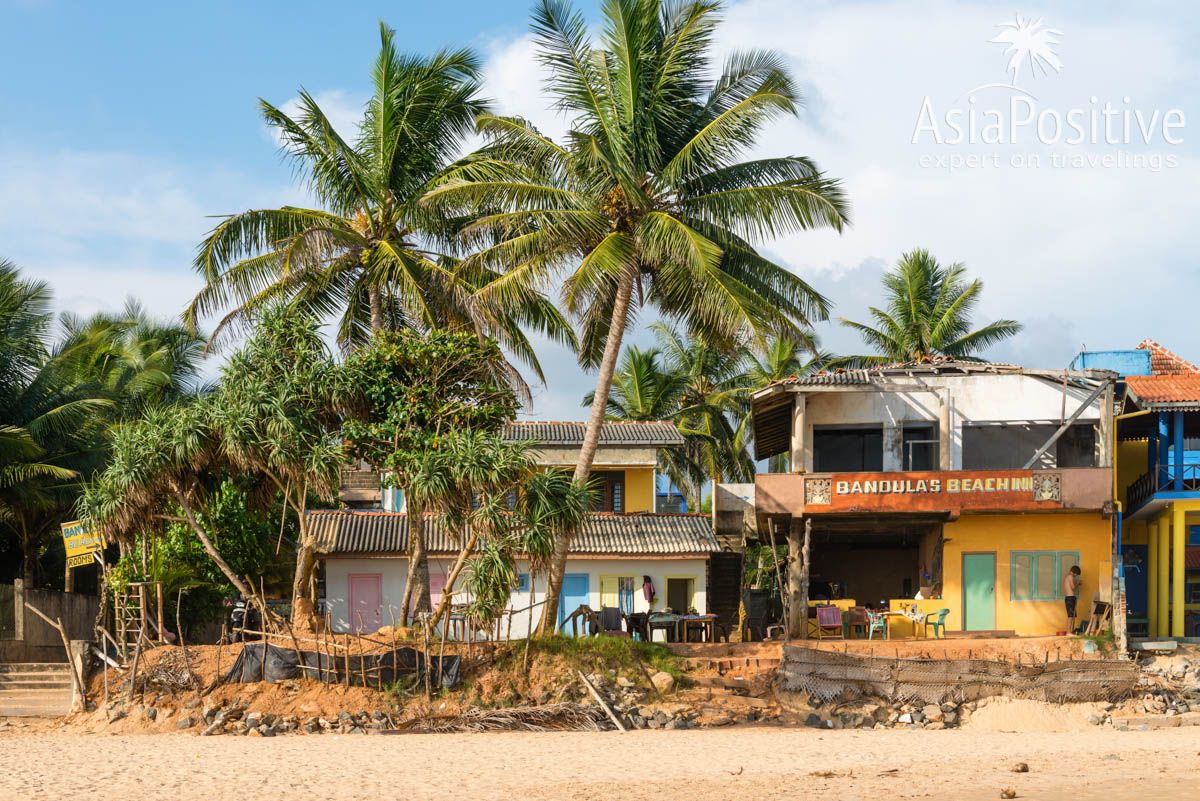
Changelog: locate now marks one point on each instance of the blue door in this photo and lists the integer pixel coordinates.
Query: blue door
(574, 594)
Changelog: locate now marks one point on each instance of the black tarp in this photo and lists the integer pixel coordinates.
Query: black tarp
(271, 663)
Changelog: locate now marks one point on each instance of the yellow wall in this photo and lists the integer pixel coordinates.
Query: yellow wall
(1086, 532)
(1131, 464)
(639, 489)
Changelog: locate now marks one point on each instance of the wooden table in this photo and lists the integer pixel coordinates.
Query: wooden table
(707, 624)
(668, 623)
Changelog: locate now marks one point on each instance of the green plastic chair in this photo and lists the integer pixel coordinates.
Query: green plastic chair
(938, 621)
(876, 622)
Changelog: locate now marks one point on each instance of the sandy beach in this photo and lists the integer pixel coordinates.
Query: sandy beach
(765, 763)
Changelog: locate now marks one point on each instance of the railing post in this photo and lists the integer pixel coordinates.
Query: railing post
(1177, 416)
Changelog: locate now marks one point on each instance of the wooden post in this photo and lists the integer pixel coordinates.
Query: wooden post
(76, 679)
(143, 612)
(162, 632)
(603, 704)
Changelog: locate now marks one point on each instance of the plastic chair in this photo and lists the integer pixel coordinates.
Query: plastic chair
(938, 621)
(876, 621)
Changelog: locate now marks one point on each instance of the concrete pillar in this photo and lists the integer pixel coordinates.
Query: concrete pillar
(799, 460)
(893, 447)
(1179, 549)
(1164, 574)
(1152, 576)
(1104, 455)
(945, 433)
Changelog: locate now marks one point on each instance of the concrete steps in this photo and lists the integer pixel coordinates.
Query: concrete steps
(34, 689)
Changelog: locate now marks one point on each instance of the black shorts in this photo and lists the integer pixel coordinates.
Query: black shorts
(1070, 600)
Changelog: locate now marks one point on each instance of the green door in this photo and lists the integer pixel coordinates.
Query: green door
(979, 592)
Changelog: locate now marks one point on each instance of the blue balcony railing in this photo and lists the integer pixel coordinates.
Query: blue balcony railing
(1161, 480)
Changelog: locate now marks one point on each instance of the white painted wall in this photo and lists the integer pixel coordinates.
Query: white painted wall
(973, 399)
(395, 569)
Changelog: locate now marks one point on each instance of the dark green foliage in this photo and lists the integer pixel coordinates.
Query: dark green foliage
(406, 392)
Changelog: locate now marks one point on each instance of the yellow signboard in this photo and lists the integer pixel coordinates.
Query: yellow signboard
(80, 543)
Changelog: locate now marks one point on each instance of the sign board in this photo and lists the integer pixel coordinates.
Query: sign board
(950, 491)
(81, 543)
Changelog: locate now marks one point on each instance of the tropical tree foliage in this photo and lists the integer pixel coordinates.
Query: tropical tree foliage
(412, 404)
(369, 255)
(648, 201)
(59, 395)
(927, 313)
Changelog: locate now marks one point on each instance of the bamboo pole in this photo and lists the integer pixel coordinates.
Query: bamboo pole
(603, 704)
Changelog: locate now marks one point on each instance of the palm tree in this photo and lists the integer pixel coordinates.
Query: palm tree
(50, 419)
(367, 257)
(928, 313)
(647, 202)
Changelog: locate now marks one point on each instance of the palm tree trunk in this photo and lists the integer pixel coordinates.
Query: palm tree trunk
(591, 441)
(28, 557)
(375, 297)
(210, 549)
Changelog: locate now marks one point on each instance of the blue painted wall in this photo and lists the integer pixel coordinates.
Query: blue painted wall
(1121, 362)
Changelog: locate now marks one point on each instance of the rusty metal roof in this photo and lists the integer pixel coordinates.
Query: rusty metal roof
(645, 433)
(339, 531)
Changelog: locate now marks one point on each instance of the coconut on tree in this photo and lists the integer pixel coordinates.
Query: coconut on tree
(927, 313)
(649, 201)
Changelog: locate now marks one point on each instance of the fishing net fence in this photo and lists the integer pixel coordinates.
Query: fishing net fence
(828, 676)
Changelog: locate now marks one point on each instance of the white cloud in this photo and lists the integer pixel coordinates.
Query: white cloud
(344, 109)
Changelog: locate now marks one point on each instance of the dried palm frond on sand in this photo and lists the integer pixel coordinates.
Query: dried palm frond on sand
(548, 717)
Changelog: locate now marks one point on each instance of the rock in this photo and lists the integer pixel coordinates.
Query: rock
(253, 719)
(378, 715)
(937, 725)
(192, 704)
(217, 727)
(933, 713)
(117, 716)
(654, 723)
(625, 683)
(918, 716)
(266, 731)
(949, 707)
(1020, 767)
(664, 682)
(313, 727)
(1008, 792)
(151, 714)
(905, 718)
(951, 718)
(185, 722)
(253, 733)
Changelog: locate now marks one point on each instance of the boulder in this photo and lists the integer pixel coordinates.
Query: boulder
(185, 722)
(663, 682)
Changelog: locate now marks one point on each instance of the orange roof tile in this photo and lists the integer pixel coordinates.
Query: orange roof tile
(1165, 388)
(1164, 362)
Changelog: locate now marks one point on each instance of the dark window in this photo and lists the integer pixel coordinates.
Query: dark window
(1009, 446)
(1077, 446)
(608, 491)
(847, 450)
(920, 447)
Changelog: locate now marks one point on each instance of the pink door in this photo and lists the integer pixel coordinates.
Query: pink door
(437, 583)
(366, 602)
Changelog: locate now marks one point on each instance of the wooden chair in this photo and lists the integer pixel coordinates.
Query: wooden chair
(829, 623)
(856, 621)
(1101, 615)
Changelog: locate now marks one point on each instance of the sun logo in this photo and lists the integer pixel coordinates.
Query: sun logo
(1029, 40)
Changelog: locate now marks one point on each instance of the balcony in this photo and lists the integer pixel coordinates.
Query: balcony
(1162, 479)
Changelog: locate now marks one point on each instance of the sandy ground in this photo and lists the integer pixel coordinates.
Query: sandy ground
(759, 763)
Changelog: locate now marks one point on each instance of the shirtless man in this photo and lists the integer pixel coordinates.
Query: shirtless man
(1070, 588)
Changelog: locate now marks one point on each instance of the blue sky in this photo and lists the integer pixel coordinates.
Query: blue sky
(123, 126)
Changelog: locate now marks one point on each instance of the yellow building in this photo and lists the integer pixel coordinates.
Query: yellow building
(1158, 479)
(953, 486)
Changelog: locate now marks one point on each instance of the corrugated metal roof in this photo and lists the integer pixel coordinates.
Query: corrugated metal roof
(938, 365)
(347, 531)
(1164, 389)
(649, 433)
